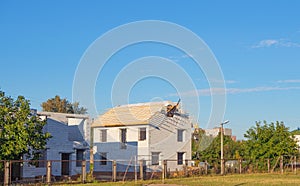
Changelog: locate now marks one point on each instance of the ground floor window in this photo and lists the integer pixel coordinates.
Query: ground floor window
(42, 158)
(155, 158)
(180, 156)
(79, 157)
(103, 158)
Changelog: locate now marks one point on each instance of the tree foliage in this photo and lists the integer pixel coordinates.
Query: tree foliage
(199, 142)
(57, 104)
(266, 141)
(296, 132)
(213, 152)
(263, 141)
(21, 133)
(207, 148)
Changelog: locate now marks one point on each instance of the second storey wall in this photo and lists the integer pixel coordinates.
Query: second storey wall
(113, 141)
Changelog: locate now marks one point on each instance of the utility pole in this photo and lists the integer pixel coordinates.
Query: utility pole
(222, 147)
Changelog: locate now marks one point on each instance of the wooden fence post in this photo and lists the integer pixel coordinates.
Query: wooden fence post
(6, 173)
(48, 172)
(164, 175)
(83, 171)
(269, 165)
(292, 163)
(141, 169)
(295, 164)
(240, 166)
(91, 161)
(206, 167)
(186, 172)
(114, 171)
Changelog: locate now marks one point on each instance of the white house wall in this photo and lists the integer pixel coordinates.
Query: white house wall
(163, 138)
(83, 126)
(134, 147)
(58, 144)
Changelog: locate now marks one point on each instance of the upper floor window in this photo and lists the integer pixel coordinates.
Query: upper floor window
(180, 135)
(142, 134)
(123, 139)
(103, 135)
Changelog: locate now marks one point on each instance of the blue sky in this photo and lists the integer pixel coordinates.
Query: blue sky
(257, 44)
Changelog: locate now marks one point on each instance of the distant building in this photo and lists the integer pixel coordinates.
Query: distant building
(141, 132)
(233, 138)
(69, 145)
(297, 139)
(215, 131)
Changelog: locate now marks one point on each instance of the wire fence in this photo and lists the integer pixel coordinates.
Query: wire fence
(25, 172)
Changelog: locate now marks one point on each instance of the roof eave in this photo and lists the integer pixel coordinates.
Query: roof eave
(120, 124)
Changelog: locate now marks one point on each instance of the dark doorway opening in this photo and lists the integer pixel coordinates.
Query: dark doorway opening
(65, 164)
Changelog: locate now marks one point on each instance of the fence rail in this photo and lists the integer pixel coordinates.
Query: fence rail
(65, 171)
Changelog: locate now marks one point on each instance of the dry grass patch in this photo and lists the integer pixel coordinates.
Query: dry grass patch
(228, 180)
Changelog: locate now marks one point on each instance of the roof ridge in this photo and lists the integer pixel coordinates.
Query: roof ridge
(143, 104)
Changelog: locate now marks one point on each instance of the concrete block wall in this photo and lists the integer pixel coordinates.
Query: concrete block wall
(161, 137)
(60, 143)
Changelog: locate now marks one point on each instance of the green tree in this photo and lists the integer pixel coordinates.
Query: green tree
(213, 152)
(77, 109)
(57, 104)
(21, 133)
(207, 148)
(199, 143)
(268, 141)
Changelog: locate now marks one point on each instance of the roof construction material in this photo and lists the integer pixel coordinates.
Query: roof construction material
(132, 114)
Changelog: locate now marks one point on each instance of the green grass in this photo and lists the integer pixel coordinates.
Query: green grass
(232, 180)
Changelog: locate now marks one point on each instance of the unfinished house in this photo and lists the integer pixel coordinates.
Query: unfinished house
(68, 146)
(147, 132)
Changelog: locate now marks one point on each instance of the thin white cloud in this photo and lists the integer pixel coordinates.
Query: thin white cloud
(258, 89)
(230, 81)
(266, 43)
(275, 43)
(225, 81)
(289, 81)
(228, 91)
(219, 81)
